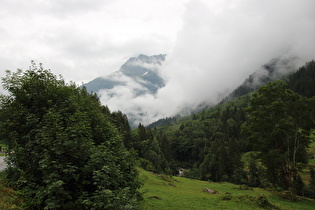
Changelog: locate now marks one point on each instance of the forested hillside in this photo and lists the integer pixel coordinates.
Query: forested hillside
(67, 151)
(228, 142)
(303, 81)
(269, 72)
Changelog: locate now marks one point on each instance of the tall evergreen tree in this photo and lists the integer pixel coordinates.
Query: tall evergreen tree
(165, 146)
(215, 164)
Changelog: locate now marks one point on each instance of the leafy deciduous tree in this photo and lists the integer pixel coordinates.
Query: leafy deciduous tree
(63, 151)
(278, 125)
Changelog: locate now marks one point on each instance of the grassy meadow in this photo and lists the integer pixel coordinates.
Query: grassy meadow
(165, 192)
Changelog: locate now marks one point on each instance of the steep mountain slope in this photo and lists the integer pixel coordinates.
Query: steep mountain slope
(210, 143)
(303, 81)
(138, 73)
(273, 70)
(277, 68)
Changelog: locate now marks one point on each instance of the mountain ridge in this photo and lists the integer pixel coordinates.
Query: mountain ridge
(143, 70)
(122, 90)
(277, 68)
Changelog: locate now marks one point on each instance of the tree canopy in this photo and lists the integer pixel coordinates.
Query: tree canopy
(63, 151)
(279, 127)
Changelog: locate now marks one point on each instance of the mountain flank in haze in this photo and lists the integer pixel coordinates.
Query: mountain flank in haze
(138, 73)
(303, 81)
(275, 69)
(218, 143)
(127, 89)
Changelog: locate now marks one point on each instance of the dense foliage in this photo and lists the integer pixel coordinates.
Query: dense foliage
(64, 153)
(272, 149)
(303, 81)
(279, 126)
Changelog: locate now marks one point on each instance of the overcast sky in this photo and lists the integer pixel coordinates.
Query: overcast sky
(212, 45)
(83, 39)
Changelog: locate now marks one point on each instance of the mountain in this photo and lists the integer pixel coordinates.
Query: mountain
(277, 68)
(140, 74)
(127, 89)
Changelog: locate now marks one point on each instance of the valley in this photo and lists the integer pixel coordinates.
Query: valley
(254, 148)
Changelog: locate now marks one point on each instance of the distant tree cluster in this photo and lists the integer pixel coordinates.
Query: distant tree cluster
(64, 152)
(303, 81)
(163, 122)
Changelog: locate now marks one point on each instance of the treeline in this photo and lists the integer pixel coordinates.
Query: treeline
(163, 122)
(303, 81)
(259, 139)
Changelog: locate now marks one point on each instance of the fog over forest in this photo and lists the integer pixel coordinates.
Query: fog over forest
(211, 46)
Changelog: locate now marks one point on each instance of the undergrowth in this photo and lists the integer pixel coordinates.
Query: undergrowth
(9, 198)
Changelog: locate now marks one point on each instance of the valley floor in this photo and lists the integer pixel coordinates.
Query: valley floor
(165, 192)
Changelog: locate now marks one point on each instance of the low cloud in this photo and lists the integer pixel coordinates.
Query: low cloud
(211, 46)
(85, 39)
(220, 44)
(218, 48)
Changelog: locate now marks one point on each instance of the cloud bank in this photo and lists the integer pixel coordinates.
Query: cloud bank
(87, 38)
(219, 45)
(212, 46)
(217, 49)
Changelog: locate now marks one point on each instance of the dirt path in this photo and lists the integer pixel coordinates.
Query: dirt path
(2, 164)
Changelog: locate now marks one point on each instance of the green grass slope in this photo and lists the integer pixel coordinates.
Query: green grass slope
(165, 192)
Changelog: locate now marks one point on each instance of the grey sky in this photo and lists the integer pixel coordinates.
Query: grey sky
(212, 45)
(83, 39)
